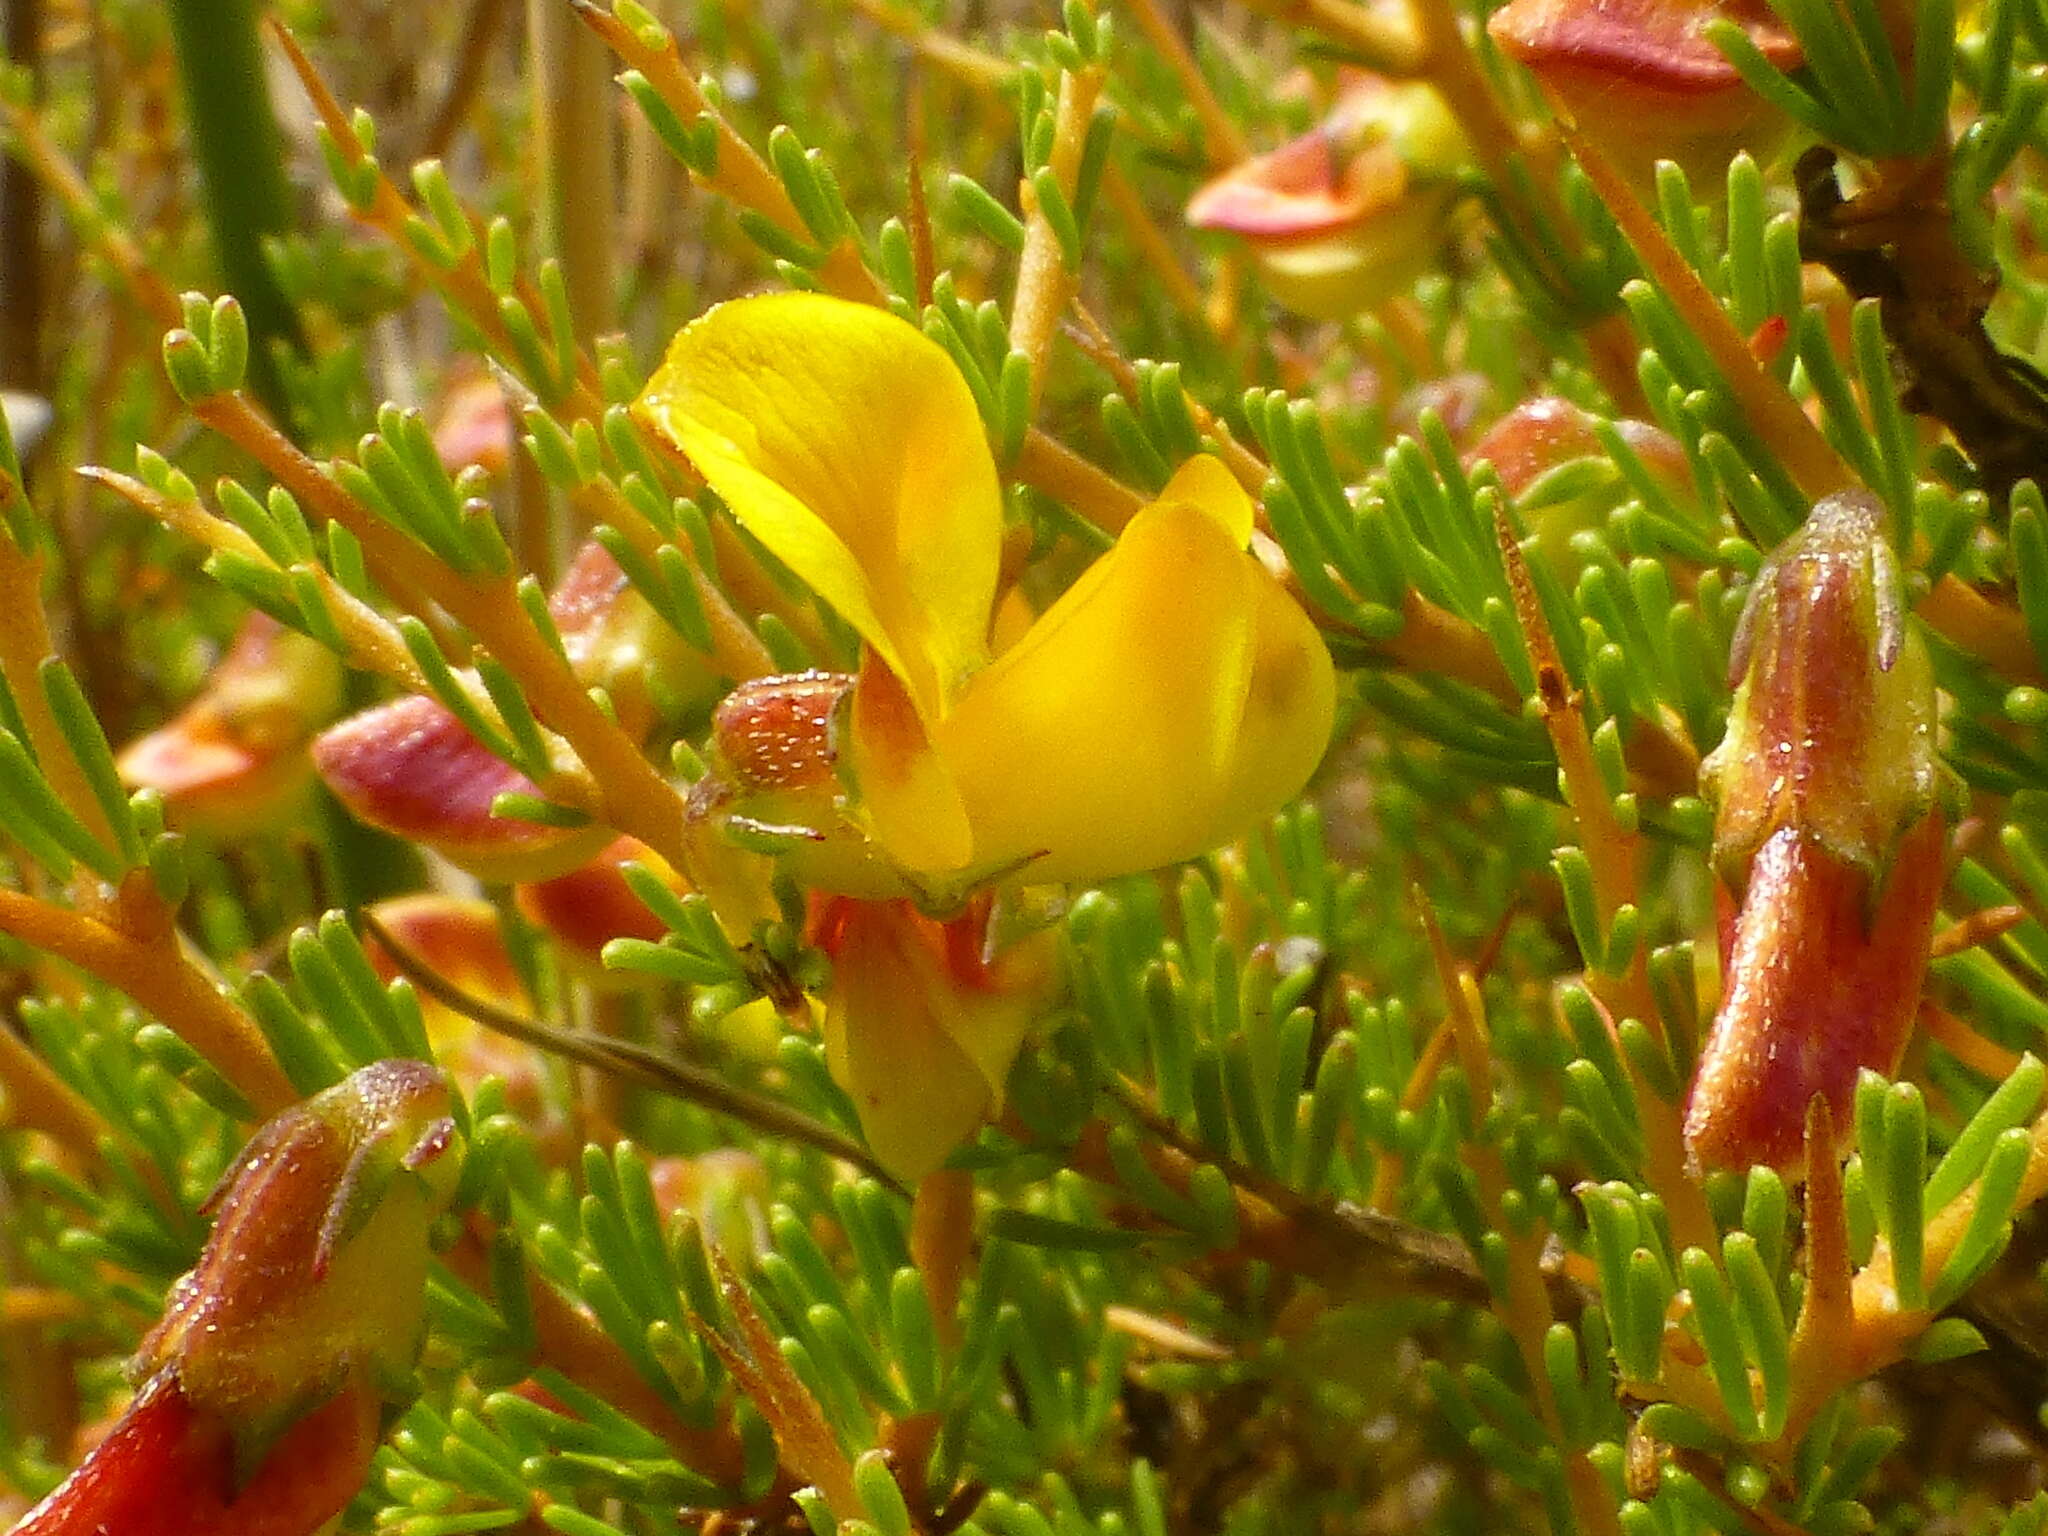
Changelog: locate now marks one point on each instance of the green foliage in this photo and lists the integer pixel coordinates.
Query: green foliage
(1341, 1185)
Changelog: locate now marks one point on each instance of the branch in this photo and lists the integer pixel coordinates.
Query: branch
(156, 973)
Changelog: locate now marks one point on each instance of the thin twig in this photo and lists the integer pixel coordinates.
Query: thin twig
(625, 1058)
(479, 30)
(1342, 1247)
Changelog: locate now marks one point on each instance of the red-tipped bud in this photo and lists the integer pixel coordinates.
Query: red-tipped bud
(413, 770)
(233, 761)
(1552, 462)
(1830, 834)
(1644, 82)
(315, 1268)
(265, 1380)
(1539, 437)
(1352, 212)
(455, 937)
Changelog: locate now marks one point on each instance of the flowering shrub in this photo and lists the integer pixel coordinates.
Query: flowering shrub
(1255, 769)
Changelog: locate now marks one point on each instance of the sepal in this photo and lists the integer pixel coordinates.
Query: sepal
(1832, 728)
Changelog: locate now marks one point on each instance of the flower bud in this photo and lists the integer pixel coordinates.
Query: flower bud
(1645, 84)
(1351, 213)
(233, 761)
(264, 1383)
(412, 769)
(1551, 461)
(1832, 727)
(1828, 833)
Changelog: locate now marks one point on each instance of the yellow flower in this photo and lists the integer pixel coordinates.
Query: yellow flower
(920, 1027)
(1173, 695)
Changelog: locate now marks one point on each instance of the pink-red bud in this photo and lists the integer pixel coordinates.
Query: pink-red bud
(233, 761)
(1830, 835)
(1645, 83)
(263, 1386)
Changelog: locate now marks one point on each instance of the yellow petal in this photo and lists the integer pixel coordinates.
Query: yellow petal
(1101, 742)
(992, 1019)
(907, 797)
(850, 446)
(888, 1045)
(916, 1092)
(1288, 713)
(1173, 695)
(1204, 483)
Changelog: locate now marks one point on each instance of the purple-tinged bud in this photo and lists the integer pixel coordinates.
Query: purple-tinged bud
(412, 769)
